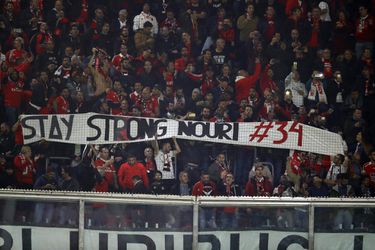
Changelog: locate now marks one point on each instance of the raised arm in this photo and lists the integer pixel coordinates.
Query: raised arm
(155, 145)
(257, 69)
(178, 149)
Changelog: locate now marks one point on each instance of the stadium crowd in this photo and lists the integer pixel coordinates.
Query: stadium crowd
(214, 60)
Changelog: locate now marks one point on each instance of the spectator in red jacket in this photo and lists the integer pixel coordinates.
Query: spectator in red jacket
(25, 168)
(61, 104)
(369, 168)
(259, 185)
(18, 57)
(267, 80)
(244, 81)
(104, 165)
(13, 95)
(130, 169)
(147, 104)
(114, 97)
(41, 39)
(206, 187)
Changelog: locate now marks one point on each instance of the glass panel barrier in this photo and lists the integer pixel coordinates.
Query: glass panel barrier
(252, 227)
(138, 226)
(111, 221)
(39, 213)
(254, 218)
(26, 224)
(344, 228)
(138, 217)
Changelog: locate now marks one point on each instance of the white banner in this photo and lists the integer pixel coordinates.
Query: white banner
(43, 238)
(91, 128)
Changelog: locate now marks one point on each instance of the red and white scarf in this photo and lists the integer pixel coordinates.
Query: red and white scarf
(316, 87)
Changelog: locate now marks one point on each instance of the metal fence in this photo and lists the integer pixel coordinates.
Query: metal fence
(191, 209)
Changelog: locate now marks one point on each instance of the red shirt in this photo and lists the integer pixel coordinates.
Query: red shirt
(201, 189)
(18, 136)
(116, 60)
(135, 97)
(267, 82)
(13, 94)
(40, 40)
(327, 64)
(25, 169)
(18, 60)
(262, 187)
(103, 186)
(113, 97)
(369, 168)
(207, 85)
(245, 84)
(180, 63)
(270, 29)
(365, 29)
(62, 105)
(127, 172)
(148, 107)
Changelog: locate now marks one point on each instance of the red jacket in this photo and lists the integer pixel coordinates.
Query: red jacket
(365, 29)
(62, 105)
(108, 171)
(369, 168)
(201, 189)
(266, 82)
(115, 100)
(258, 188)
(13, 94)
(25, 169)
(245, 84)
(127, 172)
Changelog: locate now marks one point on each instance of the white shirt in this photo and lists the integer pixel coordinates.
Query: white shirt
(2, 58)
(163, 161)
(295, 87)
(334, 171)
(140, 19)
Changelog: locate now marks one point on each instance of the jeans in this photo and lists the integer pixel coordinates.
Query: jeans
(229, 220)
(43, 213)
(343, 219)
(207, 218)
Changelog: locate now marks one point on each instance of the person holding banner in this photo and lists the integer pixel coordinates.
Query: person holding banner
(218, 169)
(165, 160)
(104, 165)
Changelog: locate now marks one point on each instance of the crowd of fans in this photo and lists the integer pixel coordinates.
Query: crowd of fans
(214, 60)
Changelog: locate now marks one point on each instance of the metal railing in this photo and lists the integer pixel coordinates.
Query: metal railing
(197, 203)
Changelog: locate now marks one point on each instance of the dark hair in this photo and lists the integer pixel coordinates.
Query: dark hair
(204, 172)
(158, 172)
(131, 156)
(136, 178)
(342, 176)
(341, 157)
(68, 170)
(147, 24)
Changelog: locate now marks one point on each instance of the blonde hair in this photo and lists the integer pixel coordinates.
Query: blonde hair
(25, 148)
